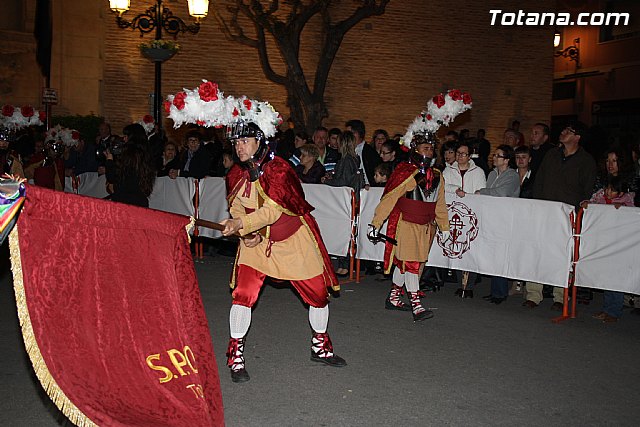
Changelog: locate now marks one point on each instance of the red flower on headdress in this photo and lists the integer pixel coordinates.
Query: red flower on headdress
(208, 91)
(404, 148)
(27, 111)
(455, 95)
(167, 106)
(439, 100)
(75, 135)
(235, 112)
(218, 126)
(428, 117)
(148, 118)
(466, 98)
(178, 100)
(280, 119)
(247, 103)
(200, 122)
(42, 115)
(7, 110)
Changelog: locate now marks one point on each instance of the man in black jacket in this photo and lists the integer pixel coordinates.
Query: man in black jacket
(369, 158)
(195, 161)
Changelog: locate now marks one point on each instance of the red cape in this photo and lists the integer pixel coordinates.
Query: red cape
(280, 183)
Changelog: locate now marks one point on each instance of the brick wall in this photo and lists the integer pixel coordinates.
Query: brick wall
(385, 71)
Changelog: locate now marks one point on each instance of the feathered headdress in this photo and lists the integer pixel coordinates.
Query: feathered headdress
(207, 106)
(16, 118)
(59, 134)
(440, 111)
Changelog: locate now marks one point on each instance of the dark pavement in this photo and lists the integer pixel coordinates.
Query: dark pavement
(474, 363)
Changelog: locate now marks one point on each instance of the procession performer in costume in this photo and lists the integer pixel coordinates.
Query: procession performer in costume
(414, 203)
(279, 236)
(267, 203)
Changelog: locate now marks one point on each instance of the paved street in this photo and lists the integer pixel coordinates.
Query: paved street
(474, 363)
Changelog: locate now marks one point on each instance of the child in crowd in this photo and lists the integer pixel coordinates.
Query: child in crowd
(612, 194)
(381, 174)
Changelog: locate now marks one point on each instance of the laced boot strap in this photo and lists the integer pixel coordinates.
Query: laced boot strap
(235, 354)
(321, 345)
(395, 294)
(416, 305)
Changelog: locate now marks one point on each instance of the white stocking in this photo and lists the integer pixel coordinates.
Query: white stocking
(239, 320)
(412, 282)
(398, 278)
(319, 318)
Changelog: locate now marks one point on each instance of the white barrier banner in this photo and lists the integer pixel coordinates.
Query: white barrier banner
(369, 200)
(173, 195)
(333, 214)
(213, 204)
(609, 245)
(520, 239)
(89, 184)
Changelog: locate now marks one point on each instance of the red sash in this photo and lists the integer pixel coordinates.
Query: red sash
(416, 211)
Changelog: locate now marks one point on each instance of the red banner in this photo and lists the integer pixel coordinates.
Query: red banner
(111, 313)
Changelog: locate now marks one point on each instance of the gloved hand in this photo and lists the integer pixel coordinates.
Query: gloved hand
(372, 234)
(445, 235)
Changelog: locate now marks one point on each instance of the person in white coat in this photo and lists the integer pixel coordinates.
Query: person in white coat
(463, 177)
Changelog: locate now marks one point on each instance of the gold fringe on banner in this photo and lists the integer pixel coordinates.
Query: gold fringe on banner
(49, 384)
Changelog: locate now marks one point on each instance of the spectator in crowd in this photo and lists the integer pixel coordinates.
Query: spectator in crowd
(482, 146)
(131, 171)
(195, 160)
(169, 159)
(503, 181)
(334, 136)
(327, 156)
(515, 126)
(346, 174)
(511, 138)
(452, 135)
(81, 158)
(617, 162)
(380, 136)
(104, 133)
(463, 136)
(463, 177)
(523, 160)
(300, 139)
(389, 154)
(369, 159)
(447, 154)
(310, 170)
(538, 146)
(613, 193)
(381, 175)
(567, 174)
(225, 163)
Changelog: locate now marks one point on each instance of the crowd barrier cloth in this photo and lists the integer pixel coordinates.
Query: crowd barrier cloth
(609, 245)
(369, 200)
(521, 239)
(173, 195)
(212, 204)
(88, 184)
(111, 312)
(333, 215)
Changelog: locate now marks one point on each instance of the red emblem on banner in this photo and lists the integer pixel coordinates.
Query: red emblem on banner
(463, 224)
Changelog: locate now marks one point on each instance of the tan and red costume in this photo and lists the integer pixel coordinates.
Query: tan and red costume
(412, 223)
(291, 248)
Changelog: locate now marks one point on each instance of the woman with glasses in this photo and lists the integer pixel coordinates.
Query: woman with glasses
(462, 177)
(503, 181)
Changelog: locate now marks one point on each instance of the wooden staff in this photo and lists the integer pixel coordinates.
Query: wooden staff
(217, 226)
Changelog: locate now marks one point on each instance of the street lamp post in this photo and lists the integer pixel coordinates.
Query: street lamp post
(158, 18)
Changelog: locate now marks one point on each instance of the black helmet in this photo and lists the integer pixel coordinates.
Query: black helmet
(262, 155)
